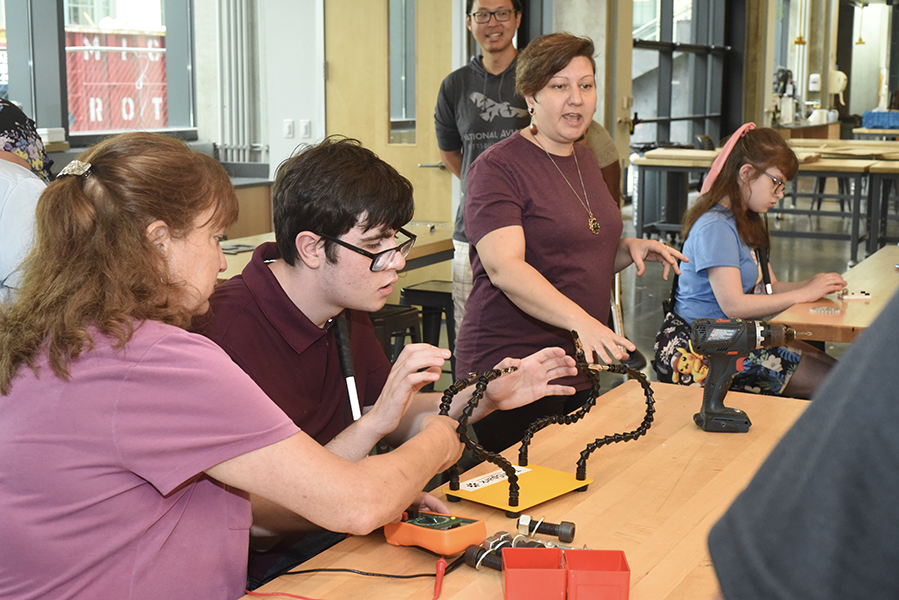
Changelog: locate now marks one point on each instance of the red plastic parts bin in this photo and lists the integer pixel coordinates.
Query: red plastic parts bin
(534, 574)
(550, 573)
(597, 575)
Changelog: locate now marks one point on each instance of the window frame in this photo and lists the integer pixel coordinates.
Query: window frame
(706, 54)
(39, 84)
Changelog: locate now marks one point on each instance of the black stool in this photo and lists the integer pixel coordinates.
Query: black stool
(842, 188)
(398, 321)
(435, 299)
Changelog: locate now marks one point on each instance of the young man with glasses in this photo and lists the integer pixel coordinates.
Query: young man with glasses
(338, 214)
(476, 108)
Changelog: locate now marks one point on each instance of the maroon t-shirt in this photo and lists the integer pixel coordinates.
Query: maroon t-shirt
(514, 182)
(291, 359)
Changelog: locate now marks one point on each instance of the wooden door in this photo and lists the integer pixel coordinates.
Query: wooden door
(356, 90)
(357, 100)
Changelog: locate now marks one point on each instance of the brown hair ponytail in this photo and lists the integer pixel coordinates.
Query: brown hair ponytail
(92, 264)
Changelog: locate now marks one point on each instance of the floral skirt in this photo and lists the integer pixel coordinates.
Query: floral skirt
(766, 371)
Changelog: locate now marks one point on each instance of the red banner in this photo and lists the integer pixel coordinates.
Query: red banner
(116, 80)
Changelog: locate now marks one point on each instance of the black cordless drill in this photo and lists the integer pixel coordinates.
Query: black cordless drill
(726, 342)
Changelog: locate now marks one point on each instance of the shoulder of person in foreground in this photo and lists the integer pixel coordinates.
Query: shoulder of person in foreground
(819, 516)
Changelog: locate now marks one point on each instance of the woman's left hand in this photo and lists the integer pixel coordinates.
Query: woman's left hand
(531, 379)
(638, 251)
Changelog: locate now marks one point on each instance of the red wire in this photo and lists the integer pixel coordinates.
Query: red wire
(441, 569)
(284, 594)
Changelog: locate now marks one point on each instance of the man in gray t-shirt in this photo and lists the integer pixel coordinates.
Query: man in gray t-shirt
(476, 108)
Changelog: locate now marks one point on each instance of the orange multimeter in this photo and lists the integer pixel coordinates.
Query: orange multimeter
(442, 534)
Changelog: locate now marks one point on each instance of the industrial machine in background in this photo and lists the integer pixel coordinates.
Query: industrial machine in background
(784, 97)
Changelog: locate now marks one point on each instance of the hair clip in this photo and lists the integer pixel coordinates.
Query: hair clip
(76, 167)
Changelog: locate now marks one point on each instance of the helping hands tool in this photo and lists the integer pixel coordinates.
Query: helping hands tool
(543, 484)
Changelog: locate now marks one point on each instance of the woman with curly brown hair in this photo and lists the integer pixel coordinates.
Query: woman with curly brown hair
(546, 236)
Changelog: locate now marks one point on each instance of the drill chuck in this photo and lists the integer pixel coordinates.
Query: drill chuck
(779, 334)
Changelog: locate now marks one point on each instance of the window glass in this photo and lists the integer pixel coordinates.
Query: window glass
(402, 71)
(676, 90)
(645, 73)
(115, 65)
(646, 20)
(683, 26)
(681, 96)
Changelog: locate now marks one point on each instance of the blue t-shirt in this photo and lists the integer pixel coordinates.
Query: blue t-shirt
(713, 242)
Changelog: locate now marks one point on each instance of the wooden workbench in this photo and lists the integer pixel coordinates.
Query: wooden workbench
(876, 275)
(655, 498)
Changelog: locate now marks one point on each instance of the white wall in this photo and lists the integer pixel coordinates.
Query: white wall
(869, 58)
(206, 58)
(292, 57)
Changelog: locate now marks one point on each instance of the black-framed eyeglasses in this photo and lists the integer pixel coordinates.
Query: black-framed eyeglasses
(380, 260)
(484, 17)
(779, 185)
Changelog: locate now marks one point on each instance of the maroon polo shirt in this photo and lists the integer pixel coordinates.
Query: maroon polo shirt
(288, 356)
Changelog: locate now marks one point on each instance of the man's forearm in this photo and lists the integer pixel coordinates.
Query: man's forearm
(428, 403)
(356, 441)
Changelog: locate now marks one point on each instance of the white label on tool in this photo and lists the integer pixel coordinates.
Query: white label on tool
(720, 334)
(490, 478)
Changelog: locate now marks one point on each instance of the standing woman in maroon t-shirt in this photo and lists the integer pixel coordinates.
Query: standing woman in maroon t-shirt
(546, 235)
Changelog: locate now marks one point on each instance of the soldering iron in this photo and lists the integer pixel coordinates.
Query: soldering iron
(726, 343)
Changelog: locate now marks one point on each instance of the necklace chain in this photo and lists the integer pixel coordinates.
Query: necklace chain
(592, 223)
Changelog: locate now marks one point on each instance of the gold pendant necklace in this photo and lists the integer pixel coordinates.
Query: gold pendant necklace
(592, 223)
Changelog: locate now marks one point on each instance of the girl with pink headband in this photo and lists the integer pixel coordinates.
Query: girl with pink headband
(728, 275)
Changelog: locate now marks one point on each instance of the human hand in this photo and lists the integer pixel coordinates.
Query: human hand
(426, 501)
(448, 427)
(600, 340)
(823, 283)
(642, 250)
(530, 380)
(415, 367)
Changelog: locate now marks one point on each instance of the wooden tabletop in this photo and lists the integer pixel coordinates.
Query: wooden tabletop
(434, 239)
(655, 498)
(893, 133)
(837, 165)
(704, 158)
(871, 149)
(890, 166)
(676, 160)
(682, 154)
(876, 275)
(805, 143)
(864, 130)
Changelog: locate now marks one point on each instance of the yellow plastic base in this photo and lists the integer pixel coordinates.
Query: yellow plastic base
(537, 485)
